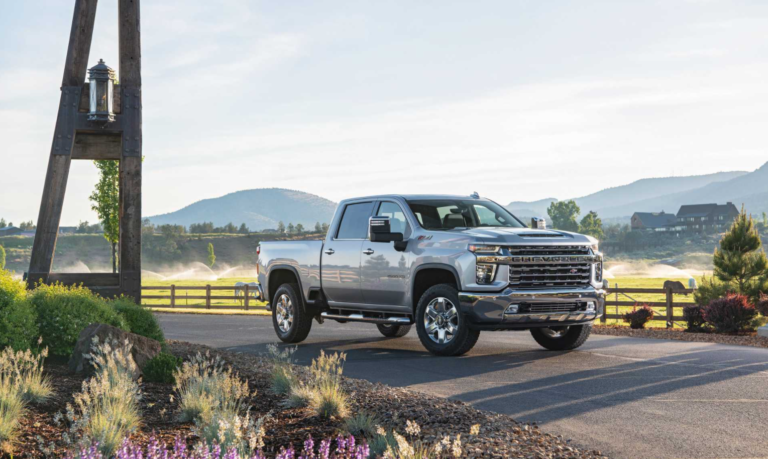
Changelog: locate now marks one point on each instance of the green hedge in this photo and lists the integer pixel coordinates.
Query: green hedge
(18, 321)
(63, 312)
(140, 320)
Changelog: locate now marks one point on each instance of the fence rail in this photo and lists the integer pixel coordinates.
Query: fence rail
(616, 299)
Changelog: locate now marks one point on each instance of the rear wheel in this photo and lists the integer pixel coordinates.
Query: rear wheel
(291, 322)
(442, 329)
(393, 331)
(562, 338)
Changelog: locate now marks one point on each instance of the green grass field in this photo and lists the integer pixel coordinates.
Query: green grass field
(182, 300)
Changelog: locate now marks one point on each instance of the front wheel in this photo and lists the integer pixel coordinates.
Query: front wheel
(562, 338)
(393, 331)
(291, 323)
(442, 329)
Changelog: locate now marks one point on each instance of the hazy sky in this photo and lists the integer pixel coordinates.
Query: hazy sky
(518, 100)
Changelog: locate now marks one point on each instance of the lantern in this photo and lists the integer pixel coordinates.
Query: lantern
(102, 80)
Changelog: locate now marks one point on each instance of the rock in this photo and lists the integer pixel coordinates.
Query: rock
(143, 349)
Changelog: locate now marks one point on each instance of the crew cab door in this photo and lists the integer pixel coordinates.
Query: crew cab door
(341, 255)
(385, 270)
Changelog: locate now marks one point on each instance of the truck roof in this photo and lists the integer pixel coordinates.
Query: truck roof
(408, 197)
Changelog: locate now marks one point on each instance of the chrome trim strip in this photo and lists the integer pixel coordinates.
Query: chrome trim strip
(528, 259)
(362, 318)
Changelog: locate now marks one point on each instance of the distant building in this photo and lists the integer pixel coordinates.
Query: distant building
(700, 217)
(654, 221)
(10, 231)
(67, 229)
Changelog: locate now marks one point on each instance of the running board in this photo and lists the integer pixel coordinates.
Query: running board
(362, 318)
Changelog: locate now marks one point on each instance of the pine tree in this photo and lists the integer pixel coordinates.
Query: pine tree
(740, 257)
(211, 255)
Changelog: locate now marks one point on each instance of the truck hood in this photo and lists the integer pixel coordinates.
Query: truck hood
(502, 236)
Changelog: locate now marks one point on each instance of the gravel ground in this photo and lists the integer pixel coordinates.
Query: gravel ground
(662, 333)
(500, 436)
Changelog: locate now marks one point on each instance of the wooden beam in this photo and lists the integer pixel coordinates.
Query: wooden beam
(97, 146)
(55, 186)
(129, 25)
(87, 279)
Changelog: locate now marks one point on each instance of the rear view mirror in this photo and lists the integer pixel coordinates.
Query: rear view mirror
(380, 230)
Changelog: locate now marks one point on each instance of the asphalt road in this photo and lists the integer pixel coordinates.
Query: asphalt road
(628, 397)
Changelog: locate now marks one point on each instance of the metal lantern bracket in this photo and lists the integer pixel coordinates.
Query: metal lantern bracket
(111, 134)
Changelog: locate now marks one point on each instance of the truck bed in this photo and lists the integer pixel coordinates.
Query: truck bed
(302, 256)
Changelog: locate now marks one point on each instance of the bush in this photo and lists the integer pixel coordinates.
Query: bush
(362, 424)
(299, 396)
(24, 370)
(762, 305)
(329, 399)
(140, 320)
(731, 314)
(282, 378)
(694, 317)
(710, 289)
(162, 368)
(18, 321)
(63, 312)
(204, 387)
(639, 317)
(11, 411)
(107, 410)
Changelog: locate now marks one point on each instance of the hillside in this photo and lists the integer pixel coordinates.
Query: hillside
(259, 209)
(623, 201)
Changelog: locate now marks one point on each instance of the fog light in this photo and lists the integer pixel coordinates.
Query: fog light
(590, 307)
(484, 274)
(512, 309)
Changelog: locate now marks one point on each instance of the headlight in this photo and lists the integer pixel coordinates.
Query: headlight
(595, 247)
(476, 248)
(485, 273)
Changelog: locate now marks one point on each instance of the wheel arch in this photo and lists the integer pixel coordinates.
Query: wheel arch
(279, 275)
(431, 274)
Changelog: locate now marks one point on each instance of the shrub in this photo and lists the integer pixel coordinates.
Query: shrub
(299, 396)
(107, 409)
(205, 387)
(639, 317)
(762, 305)
(362, 424)
(282, 378)
(18, 321)
(162, 368)
(11, 411)
(694, 317)
(63, 312)
(139, 320)
(24, 370)
(329, 399)
(231, 431)
(709, 289)
(731, 314)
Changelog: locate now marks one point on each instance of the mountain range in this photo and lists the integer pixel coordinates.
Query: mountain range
(667, 194)
(259, 209)
(263, 208)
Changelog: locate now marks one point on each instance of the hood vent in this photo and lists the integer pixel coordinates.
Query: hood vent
(542, 234)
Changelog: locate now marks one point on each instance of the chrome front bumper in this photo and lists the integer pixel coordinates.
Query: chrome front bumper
(489, 310)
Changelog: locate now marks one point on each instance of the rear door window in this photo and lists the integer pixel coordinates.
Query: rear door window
(354, 222)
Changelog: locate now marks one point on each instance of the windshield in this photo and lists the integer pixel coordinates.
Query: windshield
(446, 214)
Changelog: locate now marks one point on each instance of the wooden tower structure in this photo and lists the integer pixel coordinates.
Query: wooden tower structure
(81, 135)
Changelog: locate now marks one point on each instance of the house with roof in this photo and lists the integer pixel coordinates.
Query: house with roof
(10, 231)
(701, 217)
(653, 221)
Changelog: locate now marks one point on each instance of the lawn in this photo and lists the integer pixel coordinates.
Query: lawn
(182, 296)
(641, 298)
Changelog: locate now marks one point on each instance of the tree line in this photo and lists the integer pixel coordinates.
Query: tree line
(563, 215)
(24, 226)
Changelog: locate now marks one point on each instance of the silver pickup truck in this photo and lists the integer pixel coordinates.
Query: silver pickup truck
(452, 266)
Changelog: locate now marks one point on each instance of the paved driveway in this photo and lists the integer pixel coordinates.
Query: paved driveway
(630, 398)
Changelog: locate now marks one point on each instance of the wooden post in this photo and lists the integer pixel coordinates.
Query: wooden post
(173, 295)
(670, 308)
(247, 294)
(208, 296)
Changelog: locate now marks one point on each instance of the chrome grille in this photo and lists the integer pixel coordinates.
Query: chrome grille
(549, 275)
(544, 308)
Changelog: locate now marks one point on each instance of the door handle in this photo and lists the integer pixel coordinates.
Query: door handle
(368, 251)
(330, 252)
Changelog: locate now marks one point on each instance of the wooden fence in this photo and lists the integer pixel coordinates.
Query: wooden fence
(619, 300)
(179, 297)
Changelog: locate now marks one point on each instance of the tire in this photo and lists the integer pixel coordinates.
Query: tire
(393, 331)
(461, 340)
(291, 322)
(562, 338)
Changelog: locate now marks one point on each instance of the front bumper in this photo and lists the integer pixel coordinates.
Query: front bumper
(488, 311)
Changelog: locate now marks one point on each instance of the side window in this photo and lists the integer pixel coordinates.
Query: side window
(397, 222)
(354, 222)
